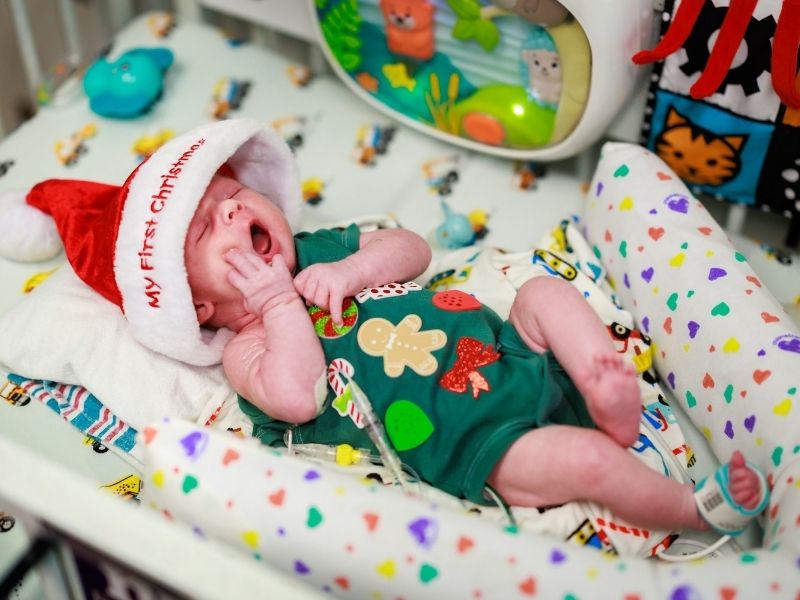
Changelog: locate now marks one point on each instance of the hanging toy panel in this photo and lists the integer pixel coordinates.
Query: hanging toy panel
(502, 75)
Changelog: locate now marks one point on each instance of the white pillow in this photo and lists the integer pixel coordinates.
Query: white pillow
(66, 332)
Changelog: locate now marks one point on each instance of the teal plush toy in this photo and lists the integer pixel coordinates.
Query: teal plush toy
(455, 231)
(128, 86)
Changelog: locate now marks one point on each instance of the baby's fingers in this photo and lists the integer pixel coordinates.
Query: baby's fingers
(300, 279)
(238, 280)
(336, 313)
(307, 288)
(335, 308)
(279, 263)
(246, 264)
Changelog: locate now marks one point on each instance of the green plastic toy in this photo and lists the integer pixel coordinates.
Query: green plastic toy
(506, 74)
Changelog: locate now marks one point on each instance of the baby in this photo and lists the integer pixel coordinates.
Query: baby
(197, 250)
(540, 408)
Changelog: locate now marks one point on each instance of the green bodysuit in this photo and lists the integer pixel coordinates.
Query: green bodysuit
(453, 384)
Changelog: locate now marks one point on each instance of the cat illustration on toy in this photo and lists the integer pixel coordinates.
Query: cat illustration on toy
(697, 155)
(540, 68)
(544, 74)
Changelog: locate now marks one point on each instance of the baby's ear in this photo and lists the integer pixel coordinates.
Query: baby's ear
(204, 311)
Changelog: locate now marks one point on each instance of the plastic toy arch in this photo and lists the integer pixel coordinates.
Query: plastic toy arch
(507, 77)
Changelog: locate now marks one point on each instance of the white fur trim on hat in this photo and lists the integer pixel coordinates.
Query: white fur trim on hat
(26, 233)
(266, 164)
(162, 199)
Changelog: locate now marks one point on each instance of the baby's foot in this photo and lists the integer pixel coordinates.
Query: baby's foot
(728, 500)
(744, 485)
(612, 395)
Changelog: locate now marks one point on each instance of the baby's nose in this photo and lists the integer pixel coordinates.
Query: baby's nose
(229, 208)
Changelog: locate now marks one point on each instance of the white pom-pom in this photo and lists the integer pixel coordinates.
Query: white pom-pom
(26, 233)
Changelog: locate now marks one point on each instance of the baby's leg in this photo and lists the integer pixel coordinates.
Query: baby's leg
(560, 463)
(550, 313)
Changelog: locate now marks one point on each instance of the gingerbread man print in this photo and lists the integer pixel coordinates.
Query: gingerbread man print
(402, 345)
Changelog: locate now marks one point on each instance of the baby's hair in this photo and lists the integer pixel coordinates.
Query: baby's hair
(226, 171)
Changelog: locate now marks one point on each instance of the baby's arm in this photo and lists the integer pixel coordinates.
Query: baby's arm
(277, 362)
(384, 256)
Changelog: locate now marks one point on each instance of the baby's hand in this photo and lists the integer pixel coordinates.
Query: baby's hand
(262, 286)
(327, 285)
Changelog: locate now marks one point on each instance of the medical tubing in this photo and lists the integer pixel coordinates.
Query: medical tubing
(344, 455)
(341, 454)
(705, 551)
(376, 434)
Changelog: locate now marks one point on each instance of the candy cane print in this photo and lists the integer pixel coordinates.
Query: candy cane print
(337, 368)
(339, 371)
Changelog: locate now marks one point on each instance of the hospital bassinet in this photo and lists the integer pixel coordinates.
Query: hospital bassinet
(212, 537)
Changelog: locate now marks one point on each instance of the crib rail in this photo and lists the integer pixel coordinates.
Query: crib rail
(33, 74)
(31, 56)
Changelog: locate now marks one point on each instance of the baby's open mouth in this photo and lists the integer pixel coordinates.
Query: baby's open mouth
(261, 240)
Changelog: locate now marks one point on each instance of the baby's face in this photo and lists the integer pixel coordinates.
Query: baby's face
(231, 215)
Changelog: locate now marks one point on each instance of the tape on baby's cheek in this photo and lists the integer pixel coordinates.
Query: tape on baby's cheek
(320, 392)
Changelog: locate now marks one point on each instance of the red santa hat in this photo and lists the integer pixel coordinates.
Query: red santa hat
(127, 242)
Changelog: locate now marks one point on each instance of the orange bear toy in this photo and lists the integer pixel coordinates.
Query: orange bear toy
(410, 27)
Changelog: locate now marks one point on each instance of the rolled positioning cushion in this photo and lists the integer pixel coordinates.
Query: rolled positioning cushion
(724, 344)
